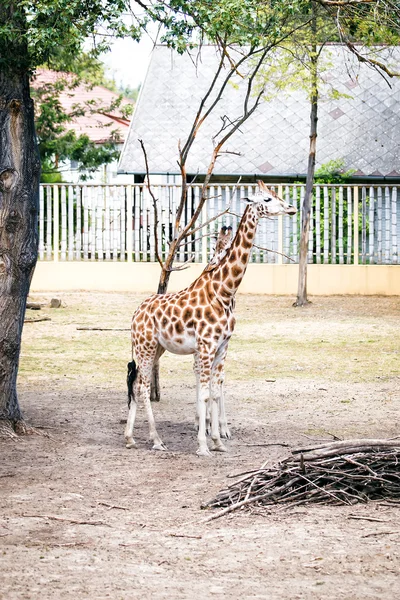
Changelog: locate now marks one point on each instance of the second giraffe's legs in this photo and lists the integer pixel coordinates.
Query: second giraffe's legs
(203, 363)
(217, 386)
(196, 369)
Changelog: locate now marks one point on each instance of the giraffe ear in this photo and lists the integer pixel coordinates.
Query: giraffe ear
(261, 186)
(248, 200)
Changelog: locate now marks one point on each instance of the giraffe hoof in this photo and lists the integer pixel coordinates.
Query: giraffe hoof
(131, 444)
(159, 447)
(220, 448)
(226, 434)
(203, 452)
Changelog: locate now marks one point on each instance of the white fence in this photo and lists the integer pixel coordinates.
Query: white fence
(349, 224)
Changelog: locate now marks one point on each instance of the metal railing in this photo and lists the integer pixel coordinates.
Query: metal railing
(349, 224)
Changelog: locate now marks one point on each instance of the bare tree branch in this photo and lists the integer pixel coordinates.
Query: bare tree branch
(154, 205)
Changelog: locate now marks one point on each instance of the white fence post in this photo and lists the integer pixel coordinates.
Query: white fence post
(56, 223)
(129, 224)
(356, 227)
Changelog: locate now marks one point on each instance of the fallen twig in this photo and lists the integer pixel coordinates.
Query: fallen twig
(37, 320)
(266, 445)
(362, 518)
(184, 535)
(110, 506)
(374, 533)
(103, 328)
(74, 521)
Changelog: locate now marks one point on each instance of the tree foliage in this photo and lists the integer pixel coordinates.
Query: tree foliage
(57, 142)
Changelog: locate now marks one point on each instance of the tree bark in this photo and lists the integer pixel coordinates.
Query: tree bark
(19, 202)
(155, 392)
(302, 299)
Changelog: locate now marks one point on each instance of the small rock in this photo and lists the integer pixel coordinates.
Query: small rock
(55, 303)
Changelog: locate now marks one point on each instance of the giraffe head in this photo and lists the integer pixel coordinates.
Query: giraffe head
(268, 204)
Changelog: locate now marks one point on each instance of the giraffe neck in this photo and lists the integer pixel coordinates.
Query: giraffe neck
(229, 274)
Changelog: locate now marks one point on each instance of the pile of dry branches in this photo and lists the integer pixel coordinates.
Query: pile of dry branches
(343, 472)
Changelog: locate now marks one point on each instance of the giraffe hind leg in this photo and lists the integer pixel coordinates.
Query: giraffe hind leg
(132, 404)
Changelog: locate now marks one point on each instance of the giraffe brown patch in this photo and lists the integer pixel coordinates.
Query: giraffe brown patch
(210, 316)
(217, 276)
(202, 297)
(168, 312)
(246, 243)
(229, 283)
(179, 340)
(182, 302)
(177, 311)
(218, 330)
(171, 330)
(225, 271)
(159, 313)
(236, 271)
(164, 321)
(198, 313)
(245, 257)
(187, 314)
(202, 326)
(179, 328)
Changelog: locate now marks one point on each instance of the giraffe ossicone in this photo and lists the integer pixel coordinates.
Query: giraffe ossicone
(198, 320)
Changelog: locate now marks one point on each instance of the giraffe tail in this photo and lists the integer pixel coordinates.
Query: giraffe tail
(130, 380)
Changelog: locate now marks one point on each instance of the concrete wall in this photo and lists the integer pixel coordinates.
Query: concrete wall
(259, 279)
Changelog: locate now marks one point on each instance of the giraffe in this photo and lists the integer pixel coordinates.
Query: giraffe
(198, 320)
(221, 247)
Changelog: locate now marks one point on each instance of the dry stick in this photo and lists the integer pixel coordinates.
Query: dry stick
(37, 320)
(324, 491)
(184, 535)
(379, 533)
(103, 328)
(75, 522)
(273, 252)
(154, 206)
(361, 518)
(350, 444)
(238, 505)
(110, 506)
(266, 445)
(255, 479)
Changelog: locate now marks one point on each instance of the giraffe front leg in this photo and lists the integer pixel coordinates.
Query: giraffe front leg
(203, 400)
(203, 361)
(218, 385)
(196, 369)
(215, 414)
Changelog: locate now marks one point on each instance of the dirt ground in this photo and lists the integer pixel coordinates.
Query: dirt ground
(83, 517)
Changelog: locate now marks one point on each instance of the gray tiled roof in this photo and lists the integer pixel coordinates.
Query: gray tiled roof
(363, 130)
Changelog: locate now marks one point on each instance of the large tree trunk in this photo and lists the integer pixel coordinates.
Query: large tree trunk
(302, 299)
(19, 201)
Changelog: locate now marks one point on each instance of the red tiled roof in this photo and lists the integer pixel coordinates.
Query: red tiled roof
(98, 122)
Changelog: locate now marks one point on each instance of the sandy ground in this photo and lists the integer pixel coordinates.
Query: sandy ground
(83, 517)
